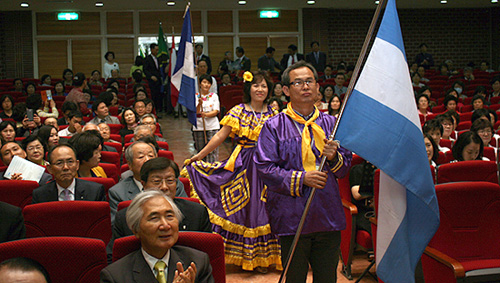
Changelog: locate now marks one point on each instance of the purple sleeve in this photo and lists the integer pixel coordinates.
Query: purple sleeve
(340, 165)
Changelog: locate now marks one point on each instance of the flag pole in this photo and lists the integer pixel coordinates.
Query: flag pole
(352, 82)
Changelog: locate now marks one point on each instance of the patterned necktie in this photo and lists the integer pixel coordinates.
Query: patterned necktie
(160, 269)
(66, 194)
(102, 121)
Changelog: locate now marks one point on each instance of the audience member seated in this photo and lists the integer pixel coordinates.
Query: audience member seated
(59, 89)
(97, 128)
(225, 80)
(423, 104)
(7, 131)
(12, 225)
(11, 149)
(6, 105)
(477, 102)
(77, 96)
(46, 80)
(276, 103)
(140, 94)
(137, 87)
(421, 72)
(163, 174)
(52, 122)
(278, 92)
(64, 166)
(322, 106)
(129, 120)
(66, 108)
(67, 77)
(328, 71)
(101, 112)
(35, 149)
(145, 130)
(88, 146)
(361, 183)
(74, 126)
(115, 102)
(456, 119)
(468, 74)
(469, 146)
(95, 78)
(22, 269)
(18, 85)
(150, 121)
(150, 106)
(139, 107)
(43, 109)
(339, 84)
(148, 264)
(334, 106)
(30, 88)
(459, 88)
(450, 103)
(114, 83)
(135, 155)
(483, 114)
(25, 127)
(434, 129)
(446, 121)
(484, 130)
(495, 85)
(48, 134)
(138, 65)
(106, 135)
(432, 150)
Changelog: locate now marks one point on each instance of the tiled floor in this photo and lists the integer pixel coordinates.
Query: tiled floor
(178, 134)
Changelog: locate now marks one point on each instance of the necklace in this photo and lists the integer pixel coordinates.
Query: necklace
(261, 116)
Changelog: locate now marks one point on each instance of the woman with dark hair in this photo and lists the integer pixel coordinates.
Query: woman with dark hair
(7, 131)
(30, 88)
(110, 64)
(450, 103)
(207, 124)
(140, 95)
(328, 92)
(59, 89)
(49, 135)
(25, 127)
(88, 146)
(243, 123)
(35, 149)
(46, 80)
(469, 146)
(67, 77)
(459, 87)
(477, 102)
(43, 109)
(432, 150)
(95, 78)
(276, 103)
(334, 105)
(150, 106)
(495, 85)
(423, 105)
(6, 104)
(129, 120)
(278, 92)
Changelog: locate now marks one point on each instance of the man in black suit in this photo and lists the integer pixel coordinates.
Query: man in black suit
(12, 225)
(226, 65)
(152, 71)
(154, 219)
(291, 57)
(316, 57)
(64, 166)
(267, 62)
(200, 56)
(11, 149)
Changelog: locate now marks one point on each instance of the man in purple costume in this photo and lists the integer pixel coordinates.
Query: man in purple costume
(287, 158)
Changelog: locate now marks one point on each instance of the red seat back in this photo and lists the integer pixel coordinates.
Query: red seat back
(115, 128)
(17, 192)
(111, 171)
(66, 259)
(468, 171)
(88, 219)
(209, 243)
(166, 154)
(111, 157)
(106, 182)
(187, 185)
(117, 146)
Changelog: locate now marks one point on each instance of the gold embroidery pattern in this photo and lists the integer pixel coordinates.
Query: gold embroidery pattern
(206, 169)
(235, 194)
(263, 194)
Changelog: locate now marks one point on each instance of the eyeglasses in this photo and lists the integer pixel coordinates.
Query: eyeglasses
(60, 163)
(484, 132)
(300, 83)
(31, 148)
(158, 182)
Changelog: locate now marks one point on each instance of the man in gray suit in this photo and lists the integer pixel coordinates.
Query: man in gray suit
(154, 219)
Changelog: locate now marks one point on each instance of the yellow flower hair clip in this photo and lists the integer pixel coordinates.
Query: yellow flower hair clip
(248, 77)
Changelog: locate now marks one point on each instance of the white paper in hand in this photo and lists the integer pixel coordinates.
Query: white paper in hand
(30, 171)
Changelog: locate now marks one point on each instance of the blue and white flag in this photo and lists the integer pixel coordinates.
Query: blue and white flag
(184, 77)
(381, 124)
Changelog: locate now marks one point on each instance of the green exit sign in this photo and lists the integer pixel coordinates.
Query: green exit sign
(269, 14)
(68, 16)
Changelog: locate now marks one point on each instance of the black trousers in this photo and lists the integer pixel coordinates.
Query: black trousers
(320, 250)
(156, 95)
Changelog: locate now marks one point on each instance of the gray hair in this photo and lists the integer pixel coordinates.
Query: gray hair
(142, 127)
(285, 77)
(135, 211)
(85, 128)
(149, 115)
(129, 153)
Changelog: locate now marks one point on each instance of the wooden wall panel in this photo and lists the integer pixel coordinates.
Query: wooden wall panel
(281, 45)
(220, 21)
(124, 51)
(149, 21)
(52, 57)
(86, 56)
(249, 21)
(254, 47)
(47, 24)
(217, 46)
(120, 23)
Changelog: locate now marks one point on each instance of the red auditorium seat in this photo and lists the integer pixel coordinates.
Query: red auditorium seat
(474, 170)
(489, 152)
(187, 185)
(465, 248)
(67, 259)
(106, 182)
(115, 137)
(111, 157)
(163, 145)
(209, 243)
(88, 219)
(111, 171)
(17, 192)
(117, 146)
(166, 154)
(115, 128)
(464, 125)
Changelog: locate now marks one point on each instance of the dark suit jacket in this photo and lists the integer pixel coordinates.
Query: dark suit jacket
(12, 223)
(245, 64)
(44, 180)
(134, 268)
(264, 65)
(209, 62)
(151, 70)
(224, 66)
(84, 190)
(284, 60)
(318, 65)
